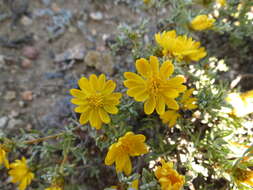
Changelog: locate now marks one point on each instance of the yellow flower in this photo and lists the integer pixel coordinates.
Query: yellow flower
(168, 177)
(3, 157)
(222, 2)
(146, 1)
(134, 185)
(186, 103)
(202, 22)
(153, 86)
(120, 152)
(170, 117)
(244, 176)
(242, 103)
(20, 173)
(95, 100)
(180, 47)
(53, 187)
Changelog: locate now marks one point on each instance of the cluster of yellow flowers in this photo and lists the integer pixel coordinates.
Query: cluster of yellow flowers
(19, 171)
(180, 47)
(168, 177)
(154, 85)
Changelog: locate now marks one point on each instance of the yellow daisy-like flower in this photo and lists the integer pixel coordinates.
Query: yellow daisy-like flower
(154, 85)
(134, 185)
(244, 176)
(222, 2)
(180, 47)
(54, 187)
(170, 117)
(202, 22)
(3, 157)
(242, 103)
(169, 178)
(95, 100)
(120, 152)
(186, 103)
(20, 173)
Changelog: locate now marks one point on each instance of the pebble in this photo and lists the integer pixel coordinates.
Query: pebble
(101, 61)
(14, 114)
(27, 95)
(30, 52)
(26, 21)
(26, 63)
(10, 95)
(96, 16)
(3, 121)
(14, 124)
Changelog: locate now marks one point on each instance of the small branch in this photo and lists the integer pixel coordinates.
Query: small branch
(34, 141)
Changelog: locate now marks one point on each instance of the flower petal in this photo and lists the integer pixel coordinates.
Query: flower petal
(160, 105)
(111, 155)
(84, 118)
(143, 67)
(111, 109)
(149, 105)
(172, 104)
(166, 69)
(77, 93)
(104, 116)
(154, 63)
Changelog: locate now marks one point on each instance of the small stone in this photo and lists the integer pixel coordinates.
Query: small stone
(14, 124)
(30, 52)
(21, 104)
(26, 21)
(27, 95)
(10, 95)
(3, 121)
(14, 114)
(26, 63)
(55, 7)
(96, 16)
(75, 53)
(101, 61)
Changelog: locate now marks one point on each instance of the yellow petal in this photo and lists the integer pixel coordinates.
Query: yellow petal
(172, 104)
(154, 63)
(109, 87)
(83, 83)
(133, 76)
(166, 69)
(104, 116)
(160, 105)
(81, 109)
(94, 82)
(77, 93)
(94, 118)
(149, 105)
(128, 166)
(84, 118)
(132, 92)
(101, 82)
(111, 109)
(133, 83)
(78, 101)
(121, 160)
(143, 67)
(111, 155)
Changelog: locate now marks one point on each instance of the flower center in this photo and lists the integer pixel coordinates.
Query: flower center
(95, 100)
(154, 85)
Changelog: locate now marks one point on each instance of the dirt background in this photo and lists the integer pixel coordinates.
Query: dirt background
(36, 67)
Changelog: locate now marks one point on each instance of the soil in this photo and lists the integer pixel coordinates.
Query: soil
(29, 69)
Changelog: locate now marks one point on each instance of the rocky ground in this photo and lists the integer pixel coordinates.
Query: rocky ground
(44, 47)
